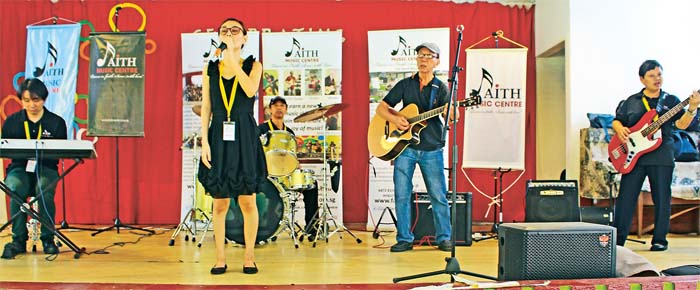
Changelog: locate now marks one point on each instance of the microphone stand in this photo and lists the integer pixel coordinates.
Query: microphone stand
(452, 268)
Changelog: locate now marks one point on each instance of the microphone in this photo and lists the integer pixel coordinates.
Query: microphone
(221, 48)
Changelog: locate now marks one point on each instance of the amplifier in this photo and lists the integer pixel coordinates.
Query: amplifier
(557, 250)
(423, 218)
(552, 201)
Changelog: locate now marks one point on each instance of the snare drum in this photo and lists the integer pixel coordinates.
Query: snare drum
(281, 153)
(301, 179)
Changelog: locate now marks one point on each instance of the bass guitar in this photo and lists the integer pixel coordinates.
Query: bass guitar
(386, 141)
(624, 155)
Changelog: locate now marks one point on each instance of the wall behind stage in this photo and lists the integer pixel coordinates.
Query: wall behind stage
(149, 167)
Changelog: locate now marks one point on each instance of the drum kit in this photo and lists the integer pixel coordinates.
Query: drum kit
(279, 194)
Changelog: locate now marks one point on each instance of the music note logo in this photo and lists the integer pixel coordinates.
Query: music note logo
(51, 53)
(295, 43)
(402, 42)
(109, 50)
(485, 75)
(214, 45)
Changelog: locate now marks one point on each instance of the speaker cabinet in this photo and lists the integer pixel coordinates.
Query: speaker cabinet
(552, 201)
(422, 214)
(564, 250)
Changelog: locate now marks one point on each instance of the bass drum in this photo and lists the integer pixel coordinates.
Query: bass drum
(273, 207)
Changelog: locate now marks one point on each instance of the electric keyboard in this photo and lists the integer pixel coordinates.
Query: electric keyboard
(49, 149)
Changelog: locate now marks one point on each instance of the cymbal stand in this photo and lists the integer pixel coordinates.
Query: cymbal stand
(321, 224)
(189, 222)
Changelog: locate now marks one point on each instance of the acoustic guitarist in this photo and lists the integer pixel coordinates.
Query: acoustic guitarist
(657, 164)
(427, 92)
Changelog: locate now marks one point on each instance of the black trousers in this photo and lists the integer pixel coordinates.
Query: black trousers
(310, 204)
(660, 178)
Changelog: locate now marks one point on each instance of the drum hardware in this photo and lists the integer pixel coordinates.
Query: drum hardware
(325, 217)
(189, 222)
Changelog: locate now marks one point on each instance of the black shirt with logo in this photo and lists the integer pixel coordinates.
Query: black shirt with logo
(408, 90)
(630, 111)
(52, 127)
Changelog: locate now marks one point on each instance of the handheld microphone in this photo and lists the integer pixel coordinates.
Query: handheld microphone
(221, 48)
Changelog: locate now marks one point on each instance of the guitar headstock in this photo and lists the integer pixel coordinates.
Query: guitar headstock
(471, 101)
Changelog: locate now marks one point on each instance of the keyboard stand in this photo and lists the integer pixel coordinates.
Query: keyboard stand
(27, 208)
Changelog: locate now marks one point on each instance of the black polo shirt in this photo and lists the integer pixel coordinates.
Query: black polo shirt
(265, 127)
(631, 111)
(408, 90)
(52, 127)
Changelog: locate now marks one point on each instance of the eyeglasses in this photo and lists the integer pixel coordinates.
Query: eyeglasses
(426, 55)
(234, 30)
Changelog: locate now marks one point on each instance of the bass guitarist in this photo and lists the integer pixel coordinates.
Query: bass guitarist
(657, 164)
(427, 92)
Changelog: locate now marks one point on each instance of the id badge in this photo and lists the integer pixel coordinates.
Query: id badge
(31, 165)
(229, 131)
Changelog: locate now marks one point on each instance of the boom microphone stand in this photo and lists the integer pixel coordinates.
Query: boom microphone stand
(452, 267)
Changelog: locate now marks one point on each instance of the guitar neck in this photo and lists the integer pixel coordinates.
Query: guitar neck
(664, 118)
(427, 115)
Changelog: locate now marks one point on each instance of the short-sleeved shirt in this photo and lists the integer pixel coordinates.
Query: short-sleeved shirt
(265, 127)
(408, 90)
(52, 127)
(631, 111)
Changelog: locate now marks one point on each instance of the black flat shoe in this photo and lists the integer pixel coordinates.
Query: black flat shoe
(218, 270)
(250, 270)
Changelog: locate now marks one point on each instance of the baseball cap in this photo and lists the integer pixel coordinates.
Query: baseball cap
(430, 46)
(277, 99)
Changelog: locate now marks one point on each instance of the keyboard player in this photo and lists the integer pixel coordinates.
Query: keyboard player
(34, 121)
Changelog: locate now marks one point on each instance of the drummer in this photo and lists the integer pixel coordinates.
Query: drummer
(278, 109)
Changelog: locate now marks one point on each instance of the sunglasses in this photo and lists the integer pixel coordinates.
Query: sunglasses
(234, 30)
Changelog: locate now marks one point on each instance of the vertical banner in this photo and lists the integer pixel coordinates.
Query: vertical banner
(52, 57)
(197, 50)
(499, 77)
(306, 69)
(116, 88)
(392, 57)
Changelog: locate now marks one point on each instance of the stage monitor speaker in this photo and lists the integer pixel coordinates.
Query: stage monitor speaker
(552, 201)
(596, 215)
(560, 250)
(423, 218)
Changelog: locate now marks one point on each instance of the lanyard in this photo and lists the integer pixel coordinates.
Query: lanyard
(26, 131)
(227, 103)
(269, 123)
(646, 105)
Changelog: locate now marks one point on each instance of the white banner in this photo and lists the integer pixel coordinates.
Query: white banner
(392, 57)
(306, 69)
(197, 49)
(494, 133)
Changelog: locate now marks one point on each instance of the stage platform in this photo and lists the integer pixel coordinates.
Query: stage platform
(135, 261)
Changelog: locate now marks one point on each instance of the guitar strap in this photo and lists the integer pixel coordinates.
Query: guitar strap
(434, 87)
(658, 105)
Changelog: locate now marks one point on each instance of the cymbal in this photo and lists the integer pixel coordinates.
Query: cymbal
(318, 113)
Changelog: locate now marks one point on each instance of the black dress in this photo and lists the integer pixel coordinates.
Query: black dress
(237, 167)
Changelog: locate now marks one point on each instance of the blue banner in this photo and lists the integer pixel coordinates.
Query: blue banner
(52, 57)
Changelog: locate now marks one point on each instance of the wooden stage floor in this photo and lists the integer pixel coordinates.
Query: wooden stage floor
(132, 258)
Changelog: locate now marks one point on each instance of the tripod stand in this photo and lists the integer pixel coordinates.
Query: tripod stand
(611, 181)
(191, 216)
(452, 267)
(117, 222)
(321, 223)
(64, 223)
(498, 205)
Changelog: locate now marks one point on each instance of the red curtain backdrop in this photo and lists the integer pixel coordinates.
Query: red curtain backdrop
(149, 167)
